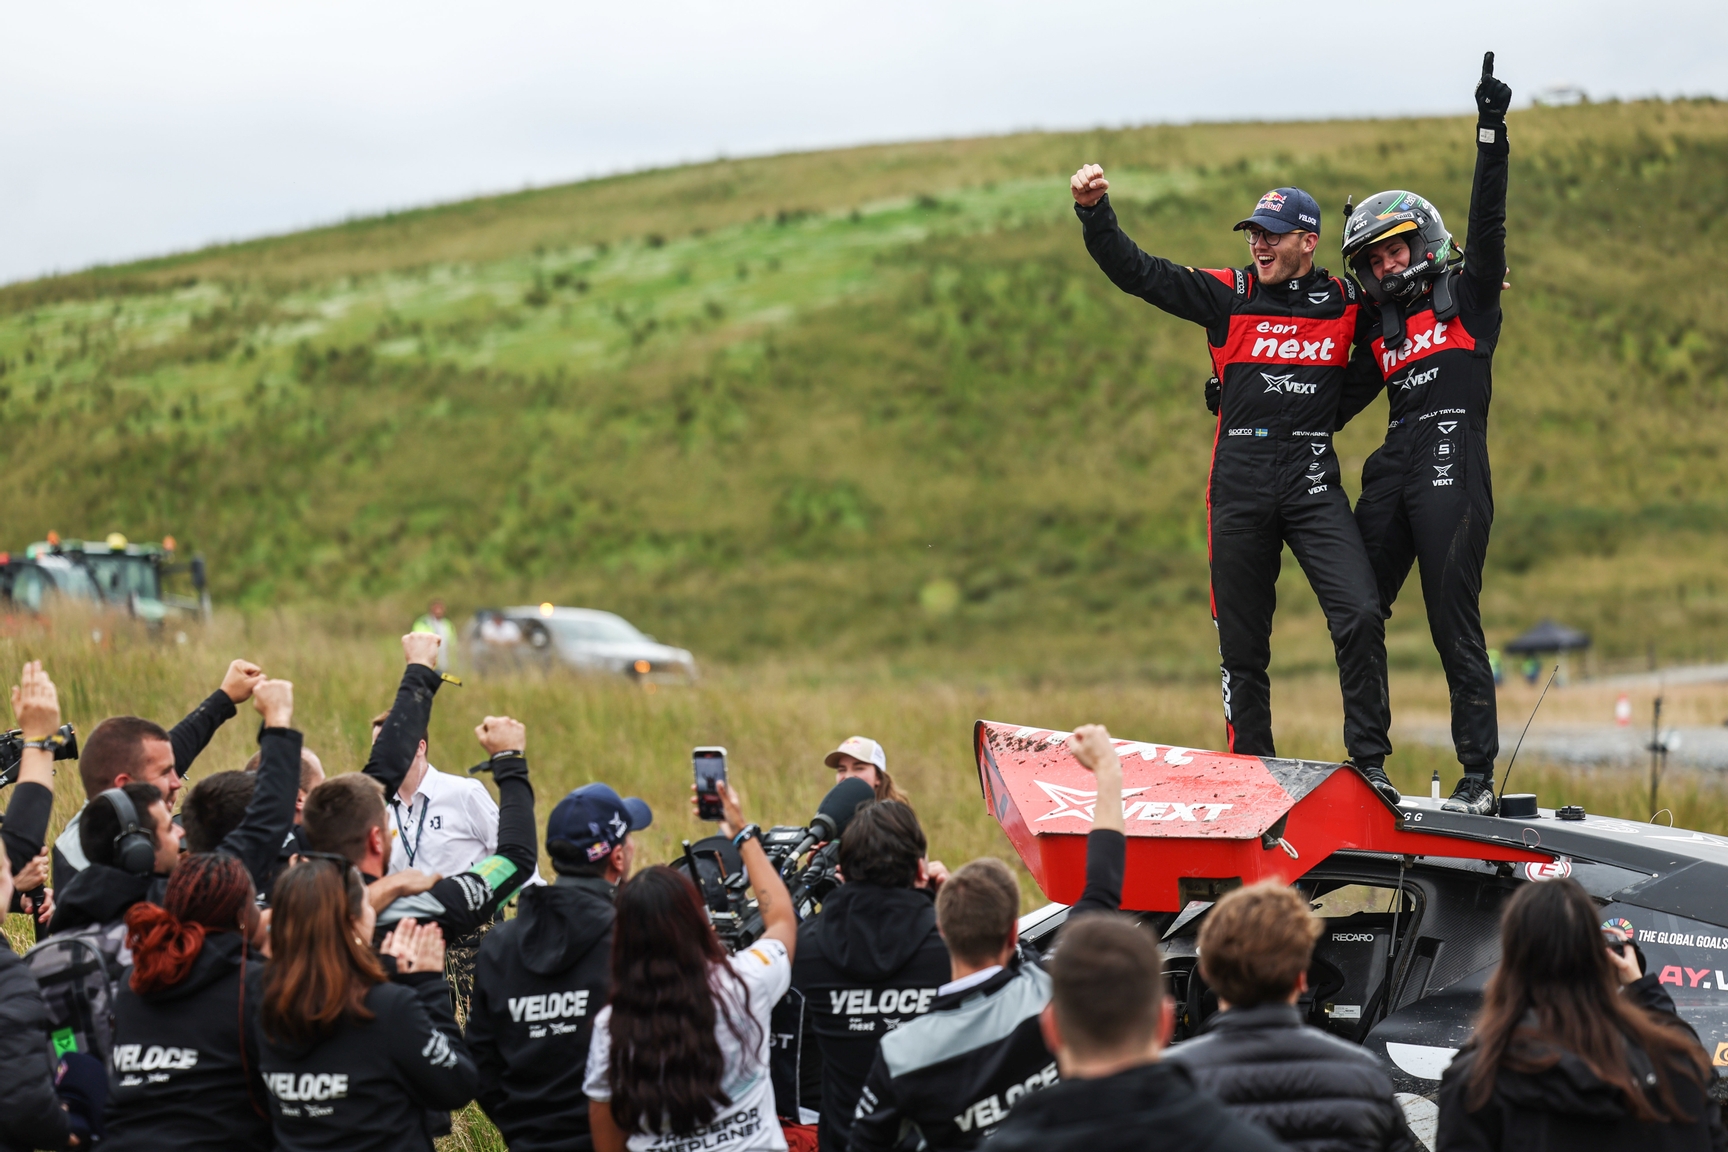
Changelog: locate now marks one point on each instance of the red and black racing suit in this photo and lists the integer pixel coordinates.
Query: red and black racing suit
(1280, 353)
(1426, 492)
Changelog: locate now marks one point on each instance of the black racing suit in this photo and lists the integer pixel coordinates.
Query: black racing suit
(1426, 492)
(1280, 354)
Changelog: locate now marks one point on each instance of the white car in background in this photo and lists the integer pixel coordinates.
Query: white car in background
(582, 639)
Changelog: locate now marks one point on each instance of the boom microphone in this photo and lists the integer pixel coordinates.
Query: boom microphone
(840, 805)
(834, 813)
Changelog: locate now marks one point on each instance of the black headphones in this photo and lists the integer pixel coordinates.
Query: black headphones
(134, 850)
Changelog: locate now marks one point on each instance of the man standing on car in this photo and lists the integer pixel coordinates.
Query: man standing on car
(1279, 332)
(1426, 493)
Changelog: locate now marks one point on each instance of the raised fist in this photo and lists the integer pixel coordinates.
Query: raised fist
(502, 734)
(36, 702)
(1088, 185)
(422, 648)
(274, 700)
(1493, 97)
(240, 679)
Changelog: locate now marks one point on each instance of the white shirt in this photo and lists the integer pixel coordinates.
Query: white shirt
(447, 825)
(748, 1124)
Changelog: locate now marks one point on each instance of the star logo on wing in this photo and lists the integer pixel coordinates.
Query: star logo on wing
(1077, 802)
(1276, 383)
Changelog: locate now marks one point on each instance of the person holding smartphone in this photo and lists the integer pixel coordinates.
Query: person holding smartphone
(679, 1056)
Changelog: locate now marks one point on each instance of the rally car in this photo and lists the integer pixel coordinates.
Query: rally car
(1410, 895)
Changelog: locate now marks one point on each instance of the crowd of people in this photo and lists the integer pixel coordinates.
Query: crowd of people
(260, 975)
(276, 959)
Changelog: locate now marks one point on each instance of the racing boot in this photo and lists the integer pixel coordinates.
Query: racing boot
(1474, 795)
(1376, 773)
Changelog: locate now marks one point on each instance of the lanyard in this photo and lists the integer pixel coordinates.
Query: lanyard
(411, 850)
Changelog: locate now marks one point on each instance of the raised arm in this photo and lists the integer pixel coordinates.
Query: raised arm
(36, 705)
(1485, 251)
(779, 921)
(463, 902)
(393, 752)
(257, 840)
(189, 737)
(1107, 845)
(1188, 293)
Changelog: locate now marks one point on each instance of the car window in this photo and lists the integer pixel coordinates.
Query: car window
(1349, 899)
(595, 630)
(68, 579)
(120, 577)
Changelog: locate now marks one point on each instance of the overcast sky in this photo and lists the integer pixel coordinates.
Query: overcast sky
(132, 129)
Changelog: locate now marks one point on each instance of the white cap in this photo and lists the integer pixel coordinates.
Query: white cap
(859, 748)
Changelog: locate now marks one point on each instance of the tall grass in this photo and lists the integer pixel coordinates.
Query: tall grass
(877, 415)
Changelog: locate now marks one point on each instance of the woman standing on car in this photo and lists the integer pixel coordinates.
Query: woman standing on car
(1574, 1047)
(185, 1064)
(679, 1056)
(354, 1060)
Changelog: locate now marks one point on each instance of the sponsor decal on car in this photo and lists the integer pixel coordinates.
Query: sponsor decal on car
(1556, 869)
(1080, 802)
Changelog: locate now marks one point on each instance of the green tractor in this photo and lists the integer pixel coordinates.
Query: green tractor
(112, 572)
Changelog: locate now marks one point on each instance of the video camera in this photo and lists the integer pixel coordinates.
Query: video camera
(806, 857)
(12, 750)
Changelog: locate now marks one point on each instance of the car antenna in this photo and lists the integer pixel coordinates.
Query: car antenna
(1506, 778)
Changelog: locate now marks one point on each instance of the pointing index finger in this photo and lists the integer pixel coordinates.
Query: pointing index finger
(1487, 65)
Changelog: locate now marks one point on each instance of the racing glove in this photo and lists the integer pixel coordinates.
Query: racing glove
(1214, 391)
(1493, 97)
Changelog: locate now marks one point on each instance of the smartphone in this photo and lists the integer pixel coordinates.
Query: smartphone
(710, 765)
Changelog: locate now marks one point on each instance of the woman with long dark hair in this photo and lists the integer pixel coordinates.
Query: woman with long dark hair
(679, 1055)
(354, 1059)
(1575, 1048)
(185, 1064)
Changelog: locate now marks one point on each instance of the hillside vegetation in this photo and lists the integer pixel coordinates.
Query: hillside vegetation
(874, 404)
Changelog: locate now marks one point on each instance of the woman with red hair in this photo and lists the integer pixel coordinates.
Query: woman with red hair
(184, 1073)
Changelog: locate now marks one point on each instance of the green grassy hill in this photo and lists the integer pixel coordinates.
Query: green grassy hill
(873, 404)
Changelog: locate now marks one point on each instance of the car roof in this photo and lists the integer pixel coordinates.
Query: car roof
(561, 613)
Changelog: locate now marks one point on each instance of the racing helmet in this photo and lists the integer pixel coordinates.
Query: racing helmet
(1399, 213)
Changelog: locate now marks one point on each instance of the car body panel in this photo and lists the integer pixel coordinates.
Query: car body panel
(1409, 982)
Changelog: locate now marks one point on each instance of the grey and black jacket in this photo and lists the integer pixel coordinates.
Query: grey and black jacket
(955, 1073)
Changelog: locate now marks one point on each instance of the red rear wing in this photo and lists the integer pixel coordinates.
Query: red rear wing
(1198, 822)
